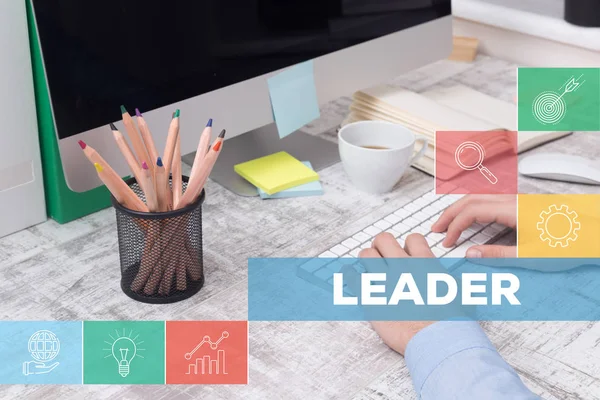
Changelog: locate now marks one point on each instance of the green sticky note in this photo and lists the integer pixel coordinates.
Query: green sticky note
(124, 352)
(294, 98)
(559, 99)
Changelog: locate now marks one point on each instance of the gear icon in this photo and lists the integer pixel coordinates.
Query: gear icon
(567, 221)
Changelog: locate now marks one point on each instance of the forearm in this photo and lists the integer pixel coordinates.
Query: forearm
(456, 360)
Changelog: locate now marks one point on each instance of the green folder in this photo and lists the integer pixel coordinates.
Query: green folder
(62, 204)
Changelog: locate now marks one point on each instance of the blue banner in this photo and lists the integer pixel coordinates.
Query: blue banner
(413, 289)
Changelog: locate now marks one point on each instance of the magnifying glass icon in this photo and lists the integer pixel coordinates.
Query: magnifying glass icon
(469, 156)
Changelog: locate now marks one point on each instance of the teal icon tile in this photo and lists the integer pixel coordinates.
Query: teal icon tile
(559, 99)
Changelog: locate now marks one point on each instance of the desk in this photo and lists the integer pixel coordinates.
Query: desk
(71, 272)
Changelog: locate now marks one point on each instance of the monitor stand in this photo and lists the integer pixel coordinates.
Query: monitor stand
(261, 142)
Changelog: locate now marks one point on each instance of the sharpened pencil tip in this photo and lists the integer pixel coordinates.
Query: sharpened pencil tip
(222, 134)
(98, 167)
(217, 145)
(82, 144)
(159, 162)
(144, 165)
(113, 127)
(176, 115)
(123, 109)
(209, 123)
(137, 112)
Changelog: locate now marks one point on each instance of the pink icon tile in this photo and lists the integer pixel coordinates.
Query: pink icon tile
(478, 162)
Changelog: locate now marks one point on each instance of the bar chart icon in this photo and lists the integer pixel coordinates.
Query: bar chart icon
(205, 365)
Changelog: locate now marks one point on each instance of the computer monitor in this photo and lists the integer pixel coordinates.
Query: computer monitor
(211, 59)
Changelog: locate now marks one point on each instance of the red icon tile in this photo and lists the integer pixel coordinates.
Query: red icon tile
(476, 162)
(207, 352)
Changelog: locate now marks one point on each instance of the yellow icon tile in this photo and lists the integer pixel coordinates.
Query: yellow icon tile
(559, 225)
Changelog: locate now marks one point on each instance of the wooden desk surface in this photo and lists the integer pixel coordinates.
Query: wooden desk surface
(71, 272)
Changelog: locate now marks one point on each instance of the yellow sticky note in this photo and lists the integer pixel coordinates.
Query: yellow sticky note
(276, 172)
(558, 225)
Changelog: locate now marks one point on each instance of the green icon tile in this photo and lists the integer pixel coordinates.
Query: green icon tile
(124, 352)
(559, 99)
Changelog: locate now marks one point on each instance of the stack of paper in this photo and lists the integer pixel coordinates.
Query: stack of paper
(280, 175)
(457, 108)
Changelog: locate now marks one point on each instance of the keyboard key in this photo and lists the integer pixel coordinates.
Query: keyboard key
(427, 225)
(335, 266)
(382, 224)
(480, 238)
(351, 243)
(421, 202)
(361, 237)
(497, 227)
(438, 206)
(421, 216)
(430, 241)
(411, 222)
(429, 210)
(421, 230)
(339, 250)
(438, 237)
(441, 248)
(355, 252)
(438, 252)
(477, 226)
(323, 274)
(401, 228)
(490, 231)
(460, 251)
(402, 213)
(366, 245)
(327, 254)
(430, 195)
(313, 264)
(393, 219)
(372, 230)
(392, 232)
(411, 207)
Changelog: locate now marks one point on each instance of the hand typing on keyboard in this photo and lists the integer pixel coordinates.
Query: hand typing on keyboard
(397, 334)
(478, 209)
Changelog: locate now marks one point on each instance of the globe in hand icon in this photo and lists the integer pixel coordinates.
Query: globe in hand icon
(43, 346)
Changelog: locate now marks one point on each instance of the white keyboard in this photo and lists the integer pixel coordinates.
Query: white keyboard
(415, 217)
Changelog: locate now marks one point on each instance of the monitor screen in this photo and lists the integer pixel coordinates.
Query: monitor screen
(151, 53)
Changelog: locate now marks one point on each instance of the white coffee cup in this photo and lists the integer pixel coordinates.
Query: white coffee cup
(377, 170)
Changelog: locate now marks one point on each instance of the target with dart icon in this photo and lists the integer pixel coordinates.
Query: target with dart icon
(549, 108)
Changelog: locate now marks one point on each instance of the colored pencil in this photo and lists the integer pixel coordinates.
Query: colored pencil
(148, 140)
(147, 185)
(171, 142)
(120, 190)
(203, 147)
(162, 181)
(194, 188)
(176, 172)
(127, 153)
(124, 190)
(134, 137)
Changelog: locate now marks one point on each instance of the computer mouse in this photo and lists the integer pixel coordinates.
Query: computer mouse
(560, 167)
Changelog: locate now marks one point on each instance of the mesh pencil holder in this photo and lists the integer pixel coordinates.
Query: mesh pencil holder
(161, 252)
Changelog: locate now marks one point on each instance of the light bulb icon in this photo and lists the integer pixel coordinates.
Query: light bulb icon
(124, 348)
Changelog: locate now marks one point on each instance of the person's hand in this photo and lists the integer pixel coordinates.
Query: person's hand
(483, 209)
(36, 368)
(397, 334)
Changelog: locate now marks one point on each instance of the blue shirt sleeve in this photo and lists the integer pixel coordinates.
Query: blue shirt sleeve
(456, 360)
